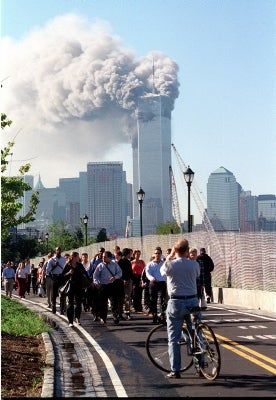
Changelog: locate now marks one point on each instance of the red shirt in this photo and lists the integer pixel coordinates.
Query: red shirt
(137, 266)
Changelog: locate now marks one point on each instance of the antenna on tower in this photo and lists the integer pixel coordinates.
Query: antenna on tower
(153, 87)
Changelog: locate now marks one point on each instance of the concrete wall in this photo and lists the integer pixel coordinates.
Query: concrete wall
(253, 299)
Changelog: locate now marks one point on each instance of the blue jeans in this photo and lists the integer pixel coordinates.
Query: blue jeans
(177, 313)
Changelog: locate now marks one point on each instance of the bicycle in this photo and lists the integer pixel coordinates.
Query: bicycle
(200, 348)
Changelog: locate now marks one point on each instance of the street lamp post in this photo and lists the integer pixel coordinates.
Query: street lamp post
(85, 221)
(47, 241)
(140, 198)
(189, 176)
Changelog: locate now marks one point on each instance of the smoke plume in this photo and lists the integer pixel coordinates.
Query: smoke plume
(72, 92)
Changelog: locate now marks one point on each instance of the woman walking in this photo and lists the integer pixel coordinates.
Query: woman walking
(74, 270)
(138, 266)
(21, 277)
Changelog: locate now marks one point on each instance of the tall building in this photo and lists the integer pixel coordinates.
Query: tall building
(223, 193)
(267, 212)
(107, 197)
(248, 212)
(151, 161)
(71, 189)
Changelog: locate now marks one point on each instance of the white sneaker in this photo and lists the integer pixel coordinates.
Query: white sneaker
(71, 325)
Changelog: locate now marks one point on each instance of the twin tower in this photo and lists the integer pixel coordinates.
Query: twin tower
(151, 161)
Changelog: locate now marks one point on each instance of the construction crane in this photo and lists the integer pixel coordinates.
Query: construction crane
(199, 203)
(175, 204)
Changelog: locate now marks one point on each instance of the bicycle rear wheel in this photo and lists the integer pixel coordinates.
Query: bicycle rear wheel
(157, 349)
(207, 352)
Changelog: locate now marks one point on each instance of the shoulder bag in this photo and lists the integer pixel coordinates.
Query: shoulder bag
(65, 289)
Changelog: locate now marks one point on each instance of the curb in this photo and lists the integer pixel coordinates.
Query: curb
(49, 372)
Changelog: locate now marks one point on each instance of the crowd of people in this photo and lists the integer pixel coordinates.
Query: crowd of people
(120, 280)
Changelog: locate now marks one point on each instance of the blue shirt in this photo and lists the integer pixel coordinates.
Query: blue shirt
(153, 270)
(51, 269)
(102, 274)
(8, 272)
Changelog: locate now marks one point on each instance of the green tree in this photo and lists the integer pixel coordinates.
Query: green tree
(60, 236)
(12, 191)
(167, 228)
(101, 237)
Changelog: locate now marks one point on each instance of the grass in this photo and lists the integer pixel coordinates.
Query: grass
(20, 321)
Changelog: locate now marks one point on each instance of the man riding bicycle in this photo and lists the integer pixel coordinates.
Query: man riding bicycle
(182, 275)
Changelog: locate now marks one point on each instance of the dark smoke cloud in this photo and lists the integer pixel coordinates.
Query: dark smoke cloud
(73, 80)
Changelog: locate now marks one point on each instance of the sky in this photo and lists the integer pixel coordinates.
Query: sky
(72, 71)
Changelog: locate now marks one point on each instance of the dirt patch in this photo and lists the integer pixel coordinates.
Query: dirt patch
(22, 365)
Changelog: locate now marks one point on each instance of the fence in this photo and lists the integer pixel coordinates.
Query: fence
(242, 260)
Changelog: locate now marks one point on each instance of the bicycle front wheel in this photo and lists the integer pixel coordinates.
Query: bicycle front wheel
(157, 349)
(207, 352)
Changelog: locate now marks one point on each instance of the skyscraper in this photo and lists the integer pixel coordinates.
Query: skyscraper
(107, 197)
(223, 193)
(151, 161)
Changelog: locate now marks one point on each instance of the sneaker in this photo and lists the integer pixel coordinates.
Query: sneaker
(102, 321)
(96, 319)
(71, 325)
(116, 320)
(128, 316)
(174, 375)
(78, 321)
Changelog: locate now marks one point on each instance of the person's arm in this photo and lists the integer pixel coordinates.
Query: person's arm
(118, 271)
(149, 275)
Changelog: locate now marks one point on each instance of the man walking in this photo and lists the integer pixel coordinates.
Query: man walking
(208, 266)
(54, 269)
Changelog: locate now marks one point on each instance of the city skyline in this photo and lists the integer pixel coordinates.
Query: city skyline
(102, 193)
(220, 53)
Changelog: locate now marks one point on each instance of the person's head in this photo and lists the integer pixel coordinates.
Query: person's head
(182, 247)
(58, 251)
(136, 254)
(158, 248)
(116, 249)
(157, 254)
(118, 255)
(192, 253)
(50, 255)
(84, 257)
(202, 250)
(8, 264)
(74, 256)
(126, 252)
(107, 255)
(168, 251)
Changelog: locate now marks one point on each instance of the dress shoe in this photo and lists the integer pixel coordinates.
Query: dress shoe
(174, 375)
